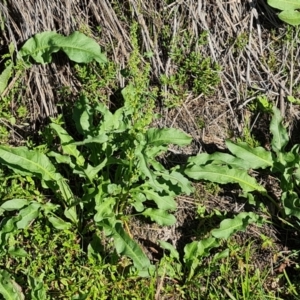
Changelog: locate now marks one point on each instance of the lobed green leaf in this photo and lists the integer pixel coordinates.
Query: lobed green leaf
(230, 226)
(77, 46)
(67, 143)
(224, 175)
(160, 216)
(166, 136)
(255, 158)
(125, 245)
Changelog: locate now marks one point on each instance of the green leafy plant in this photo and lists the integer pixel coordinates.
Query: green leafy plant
(77, 46)
(234, 168)
(290, 10)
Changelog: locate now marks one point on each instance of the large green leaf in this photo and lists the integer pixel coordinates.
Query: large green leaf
(219, 158)
(66, 144)
(9, 289)
(162, 202)
(4, 77)
(285, 4)
(166, 136)
(77, 46)
(160, 216)
(29, 162)
(291, 17)
(14, 204)
(178, 180)
(196, 250)
(28, 214)
(125, 245)
(224, 175)
(230, 226)
(37, 289)
(34, 163)
(291, 203)
(82, 116)
(280, 136)
(255, 157)
(167, 246)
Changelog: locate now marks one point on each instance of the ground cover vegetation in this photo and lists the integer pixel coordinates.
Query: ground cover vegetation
(149, 150)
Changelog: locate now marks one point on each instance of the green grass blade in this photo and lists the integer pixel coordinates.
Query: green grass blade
(29, 162)
(224, 175)
(254, 157)
(280, 136)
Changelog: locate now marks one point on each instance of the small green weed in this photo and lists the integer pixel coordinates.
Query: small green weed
(194, 72)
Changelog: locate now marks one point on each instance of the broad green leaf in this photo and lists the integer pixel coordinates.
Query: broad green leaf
(59, 223)
(230, 226)
(105, 209)
(178, 179)
(291, 203)
(221, 255)
(125, 245)
(7, 227)
(293, 100)
(67, 144)
(34, 163)
(29, 162)
(100, 139)
(77, 46)
(160, 216)
(224, 175)
(219, 158)
(291, 17)
(71, 214)
(9, 289)
(14, 204)
(167, 246)
(162, 202)
(18, 252)
(255, 157)
(166, 136)
(82, 116)
(280, 136)
(4, 77)
(143, 166)
(284, 4)
(37, 289)
(196, 250)
(28, 214)
(62, 159)
(91, 172)
(200, 159)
